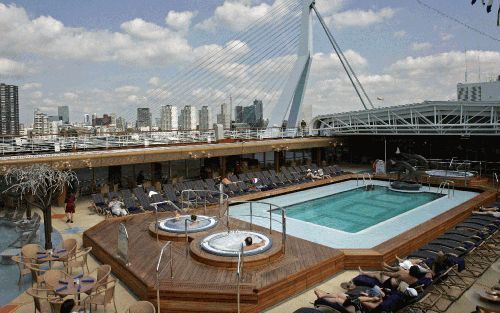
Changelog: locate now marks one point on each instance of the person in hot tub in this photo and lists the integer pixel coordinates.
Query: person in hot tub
(250, 245)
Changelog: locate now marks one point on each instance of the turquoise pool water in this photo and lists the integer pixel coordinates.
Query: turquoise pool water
(354, 210)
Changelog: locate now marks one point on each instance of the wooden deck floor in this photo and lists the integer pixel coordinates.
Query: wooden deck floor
(196, 285)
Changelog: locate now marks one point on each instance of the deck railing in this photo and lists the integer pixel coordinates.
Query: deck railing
(160, 269)
(239, 273)
(251, 215)
(186, 199)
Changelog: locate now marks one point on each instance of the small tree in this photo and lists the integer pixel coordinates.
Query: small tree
(43, 183)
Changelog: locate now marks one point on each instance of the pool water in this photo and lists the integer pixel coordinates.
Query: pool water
(357, 209)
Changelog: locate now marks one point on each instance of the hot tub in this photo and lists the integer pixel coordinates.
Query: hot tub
(449, 174)
(229, 243)
(178, 224)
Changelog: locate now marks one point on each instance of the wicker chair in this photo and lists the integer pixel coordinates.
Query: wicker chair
(29, 251)
(142, 307)
(71, 246)
(101, 274)
(102, 296)
(43, 301)
(79, 260)
(36, 273)
(52, 277)
(23, 269)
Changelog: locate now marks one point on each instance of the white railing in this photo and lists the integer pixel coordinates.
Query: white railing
(251, 215)
(446, 185)
(59, 144)
(366, 178)
(160, 269)
(496, 182)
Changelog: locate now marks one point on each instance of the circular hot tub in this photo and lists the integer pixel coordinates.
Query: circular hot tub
(229, 243)
(178, 224)
(449, 174)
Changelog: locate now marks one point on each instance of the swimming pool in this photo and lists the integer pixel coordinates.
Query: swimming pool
(359, 226)
(354, 210)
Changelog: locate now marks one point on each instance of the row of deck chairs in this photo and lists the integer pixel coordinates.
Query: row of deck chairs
(474, 241)
(205, 191)
(469, 253)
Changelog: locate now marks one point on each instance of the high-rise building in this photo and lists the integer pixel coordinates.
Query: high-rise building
(224, 117)
(484, 91)
(54, 118)
(105, 120)
(168, 118)
(63, 112)
(41, 124)
(87, 120)
(188, 119)
(253, 115)
(113, 118)
(121, 124)
(143, 118)
(9, 110)
(205, 118)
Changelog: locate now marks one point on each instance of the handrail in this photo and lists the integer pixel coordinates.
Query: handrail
(271, 209)
(186, 227)
(239, 272)
(496, 182)
(159, 271)
(155, 205)
(224, 196)
(446, 184)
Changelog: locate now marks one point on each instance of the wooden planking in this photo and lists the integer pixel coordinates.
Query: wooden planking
(304, 264)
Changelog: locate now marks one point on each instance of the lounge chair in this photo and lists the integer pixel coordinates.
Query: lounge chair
(99, 203)
(131, 206)
(126, 193)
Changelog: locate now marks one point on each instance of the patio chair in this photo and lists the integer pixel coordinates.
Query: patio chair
(141, 307)
(126, 193)
(42, 299)
(103, 295)
(131, 206)
(79, 260)
(21, 265)
(52, 277)
(99, 203)
(37, 272)
(30, 251)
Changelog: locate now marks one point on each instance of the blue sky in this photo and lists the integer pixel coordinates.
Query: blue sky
(109, 56)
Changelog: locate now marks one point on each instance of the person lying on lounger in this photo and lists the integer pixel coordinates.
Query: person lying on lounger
(390, 280)
(365, 302)
(489, 212)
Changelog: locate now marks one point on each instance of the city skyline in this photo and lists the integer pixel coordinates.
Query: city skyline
(426, 61)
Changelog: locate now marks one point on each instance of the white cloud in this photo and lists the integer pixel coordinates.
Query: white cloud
(361, 18)
(446, 36)
(235, 15)
(29, 86)
(154, 81)
(417, 46)
(70, 96)
(400, 34)
(36, 95)
(127, 89)
(13, 68)
(180, 21)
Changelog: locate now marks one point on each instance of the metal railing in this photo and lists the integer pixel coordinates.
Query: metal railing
(365, 177)
(50, 144)
(239, 273)
(160, 270)
(446, 185)
(251, 215)
(496, 182)
(186, 221)
(155, 206)
(186, 199)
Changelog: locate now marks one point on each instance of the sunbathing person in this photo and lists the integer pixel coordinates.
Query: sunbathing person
(116, 207)
(392, 279)
(364, 302)
(322, 174)
(312, 175)
(493, 213)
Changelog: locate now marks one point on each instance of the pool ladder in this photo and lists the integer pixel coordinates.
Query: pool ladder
(367, 181)
(449, 186)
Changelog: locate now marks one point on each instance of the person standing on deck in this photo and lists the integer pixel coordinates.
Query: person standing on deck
(70, 207)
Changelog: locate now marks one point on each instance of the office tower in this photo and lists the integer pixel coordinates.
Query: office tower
(143, 118)
(168, 118)
(224, 117)
(482, 91)
(205, 118)
(113, 118)
(238, 110)
(63, 112)
(87, 120)
(121, 124)
(40, 123)
(9, 110)
(188, 118)
(253, 115)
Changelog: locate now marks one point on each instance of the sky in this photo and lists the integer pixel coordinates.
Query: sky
(112, 56)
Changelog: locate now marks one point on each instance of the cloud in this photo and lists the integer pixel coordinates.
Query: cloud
(127, 89)
(180, 21)
(138, 42)
(13, 68)
(361, 18)
(36, 95)
(400, 34)
(154, 81)
(418, 46)
(29, 86)
(70, 96)
(235, 15)
(446, 36)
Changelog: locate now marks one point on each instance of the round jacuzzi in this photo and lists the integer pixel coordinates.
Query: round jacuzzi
(229, 243)
(178, 224)
(449, 174)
